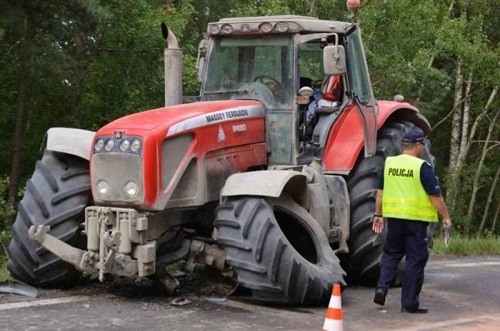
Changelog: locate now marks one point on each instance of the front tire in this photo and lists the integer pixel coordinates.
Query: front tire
(56, 195)
(278, 250)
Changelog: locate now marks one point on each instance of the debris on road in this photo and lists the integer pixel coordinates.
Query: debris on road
(13, 287)
(180, 302)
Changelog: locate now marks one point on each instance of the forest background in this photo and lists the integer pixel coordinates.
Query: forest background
(84, 63)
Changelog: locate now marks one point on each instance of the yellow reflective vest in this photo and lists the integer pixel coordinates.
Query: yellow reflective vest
(404, 195)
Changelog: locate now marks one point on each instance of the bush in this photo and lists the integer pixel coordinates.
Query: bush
(4, 241)
(7, 212)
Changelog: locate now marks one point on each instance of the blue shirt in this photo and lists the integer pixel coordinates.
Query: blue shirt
(428, 179)
(313, 105)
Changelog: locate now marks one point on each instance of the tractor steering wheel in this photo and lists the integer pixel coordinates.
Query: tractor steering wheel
(271, 83)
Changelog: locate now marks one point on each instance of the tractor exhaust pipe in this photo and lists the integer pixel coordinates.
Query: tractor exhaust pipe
(173, 68)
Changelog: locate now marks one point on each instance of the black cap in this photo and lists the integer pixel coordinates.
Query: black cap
(413, 136)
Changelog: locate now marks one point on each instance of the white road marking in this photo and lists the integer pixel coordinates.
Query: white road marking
(473, 264)
(442, 264)
(35, 303)
(457, 324)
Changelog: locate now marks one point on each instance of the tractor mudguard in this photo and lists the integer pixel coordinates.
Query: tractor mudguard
(268, 183)
(346, 139)
(71, 141)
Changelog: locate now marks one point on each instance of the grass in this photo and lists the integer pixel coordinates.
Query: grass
(460, 245)
(4, 240)
(4, 273)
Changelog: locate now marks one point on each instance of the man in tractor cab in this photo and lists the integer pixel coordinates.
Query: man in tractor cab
(408, 197)
(332, 90)
(325, 99)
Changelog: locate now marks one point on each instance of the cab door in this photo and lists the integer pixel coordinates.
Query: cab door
(362, 93)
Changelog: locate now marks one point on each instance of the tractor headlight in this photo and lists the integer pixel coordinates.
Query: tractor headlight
(227, 29)
(136, 145)
(266, 27)
(214, 29)
(110, 144)
(102, 187)
(125, 144)
(131, 188)
(282, 27)
(99, 144)
(129, 144)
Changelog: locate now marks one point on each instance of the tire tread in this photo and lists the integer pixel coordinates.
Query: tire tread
(56, 195)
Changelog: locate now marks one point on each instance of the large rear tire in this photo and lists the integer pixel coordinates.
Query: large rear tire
(56, 195)
(365, 247)
(278, 250)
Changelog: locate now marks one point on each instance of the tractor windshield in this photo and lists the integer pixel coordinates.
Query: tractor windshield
(251, 68)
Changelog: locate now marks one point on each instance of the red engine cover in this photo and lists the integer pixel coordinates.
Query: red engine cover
(233, 129)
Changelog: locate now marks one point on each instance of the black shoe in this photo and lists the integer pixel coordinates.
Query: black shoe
(415, 310)
(379, 298)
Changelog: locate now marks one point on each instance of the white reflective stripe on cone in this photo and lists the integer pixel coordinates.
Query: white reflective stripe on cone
(332, 325)
(335, 302)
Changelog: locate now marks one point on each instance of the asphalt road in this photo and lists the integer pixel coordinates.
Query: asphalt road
(461, 294)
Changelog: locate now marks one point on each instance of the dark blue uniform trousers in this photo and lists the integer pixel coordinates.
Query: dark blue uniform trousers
(405, 237)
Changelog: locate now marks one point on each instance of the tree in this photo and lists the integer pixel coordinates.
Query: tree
(449, 49)
(470, 46)
(38, 35)
(80, 64)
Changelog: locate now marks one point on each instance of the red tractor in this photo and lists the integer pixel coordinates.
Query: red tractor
(272, 171)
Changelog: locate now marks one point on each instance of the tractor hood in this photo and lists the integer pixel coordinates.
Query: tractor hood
(169, 116)
(176, 156)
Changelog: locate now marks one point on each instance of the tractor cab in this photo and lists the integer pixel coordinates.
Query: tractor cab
(288, 63)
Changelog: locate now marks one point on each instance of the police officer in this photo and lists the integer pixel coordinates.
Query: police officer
(408, 197)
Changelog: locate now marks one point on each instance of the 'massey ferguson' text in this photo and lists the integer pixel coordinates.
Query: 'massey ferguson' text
(226, 115)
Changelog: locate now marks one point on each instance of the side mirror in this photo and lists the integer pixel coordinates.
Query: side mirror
(334, 60)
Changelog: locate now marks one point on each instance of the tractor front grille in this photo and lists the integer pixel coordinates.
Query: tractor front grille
(116, 169)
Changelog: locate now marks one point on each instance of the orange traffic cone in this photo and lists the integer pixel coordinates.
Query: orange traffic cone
(333, 319)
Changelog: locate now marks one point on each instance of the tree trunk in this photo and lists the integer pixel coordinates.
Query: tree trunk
(488, 203)
(455, 137)
(465, 140)
(495, 219)
(465, 120)
(461, 161)
(18, 139)
(475, 183)
(311, 9)
(476, 124)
